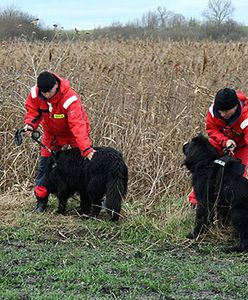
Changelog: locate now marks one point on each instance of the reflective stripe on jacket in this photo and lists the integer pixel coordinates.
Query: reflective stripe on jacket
(62, 117)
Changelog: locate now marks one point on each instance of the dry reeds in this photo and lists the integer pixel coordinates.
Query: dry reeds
(144, 98)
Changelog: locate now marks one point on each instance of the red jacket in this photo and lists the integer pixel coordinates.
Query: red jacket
(62, 117)
(219, 131)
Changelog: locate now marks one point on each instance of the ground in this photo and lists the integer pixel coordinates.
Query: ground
(66, 257)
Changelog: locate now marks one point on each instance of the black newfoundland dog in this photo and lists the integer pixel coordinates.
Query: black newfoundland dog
(218, 183)
(106, 174)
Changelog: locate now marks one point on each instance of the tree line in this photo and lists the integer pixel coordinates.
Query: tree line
(217, 24)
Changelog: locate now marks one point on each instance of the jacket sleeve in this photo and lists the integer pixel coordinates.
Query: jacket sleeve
(214, 131)
(244, 126)
(246, 135)
(32, 116)
(79, 124)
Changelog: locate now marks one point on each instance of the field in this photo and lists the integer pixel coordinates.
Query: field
(146, 99)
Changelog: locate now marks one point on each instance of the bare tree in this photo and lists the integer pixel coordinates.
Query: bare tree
(163, 16)
(218, 11)
(15, 23)
(177, 20)
(150, 20)
(165, 24)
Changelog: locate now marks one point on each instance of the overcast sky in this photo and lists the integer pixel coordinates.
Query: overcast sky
(89, 14)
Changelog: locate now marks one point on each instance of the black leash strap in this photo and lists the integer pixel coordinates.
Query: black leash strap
(18, 136)
(35, 136)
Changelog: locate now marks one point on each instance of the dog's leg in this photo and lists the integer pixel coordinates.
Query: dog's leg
(96, 206)
(239, 217)
(63, 196)
(85, 203)
(62, 206)
(201, 221)
(95, 191)
(116, 191)
(223, 214)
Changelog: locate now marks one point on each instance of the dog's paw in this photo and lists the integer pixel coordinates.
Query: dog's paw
(82, 212)
(60, 212)
(231, 250)
(92, 215)
(235, 249)
(115, 218)
(190, 236)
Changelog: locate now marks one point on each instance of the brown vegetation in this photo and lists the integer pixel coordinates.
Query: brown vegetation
(145, 98)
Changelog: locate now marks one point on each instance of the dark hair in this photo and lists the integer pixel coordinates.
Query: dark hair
(226, 99)
(45, 81)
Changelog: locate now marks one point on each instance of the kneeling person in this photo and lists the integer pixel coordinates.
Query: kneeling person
(58, 108)
(227, 126)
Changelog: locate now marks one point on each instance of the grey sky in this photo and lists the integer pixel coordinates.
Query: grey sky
(88, 14)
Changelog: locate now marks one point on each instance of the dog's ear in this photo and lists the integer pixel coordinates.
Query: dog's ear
(195, 140)
(199, 139)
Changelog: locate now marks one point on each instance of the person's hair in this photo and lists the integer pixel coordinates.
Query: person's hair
(226, 99)
(46, 81)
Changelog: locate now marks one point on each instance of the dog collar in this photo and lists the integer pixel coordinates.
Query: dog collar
(220, 162)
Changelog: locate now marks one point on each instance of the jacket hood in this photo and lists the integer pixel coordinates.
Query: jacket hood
(64, 84)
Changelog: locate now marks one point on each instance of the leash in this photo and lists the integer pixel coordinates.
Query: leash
(222, 163)
(211, 195)
(220, 177)
(35, 137)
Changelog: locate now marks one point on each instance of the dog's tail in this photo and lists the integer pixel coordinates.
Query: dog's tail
(116, 188)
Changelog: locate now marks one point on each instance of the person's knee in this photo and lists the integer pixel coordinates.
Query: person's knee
(41, 170)
(41, 191)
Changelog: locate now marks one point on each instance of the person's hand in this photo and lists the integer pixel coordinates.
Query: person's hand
(90, 155)
(231, 145)
(28, 130)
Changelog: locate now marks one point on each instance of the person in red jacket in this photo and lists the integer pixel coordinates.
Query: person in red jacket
(227, 126)
(54, 105)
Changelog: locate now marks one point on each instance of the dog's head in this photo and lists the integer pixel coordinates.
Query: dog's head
(198, 151)
(63, 163)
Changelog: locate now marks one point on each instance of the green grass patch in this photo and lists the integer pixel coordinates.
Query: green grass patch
(67, 257)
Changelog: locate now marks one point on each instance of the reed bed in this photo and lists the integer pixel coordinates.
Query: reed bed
(144, 98)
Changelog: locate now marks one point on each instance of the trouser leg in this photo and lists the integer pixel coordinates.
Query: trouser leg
(40, 190)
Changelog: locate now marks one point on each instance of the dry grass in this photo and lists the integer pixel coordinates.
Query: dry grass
(145, 98)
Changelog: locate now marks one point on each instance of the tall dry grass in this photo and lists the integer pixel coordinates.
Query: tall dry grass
(144, 98)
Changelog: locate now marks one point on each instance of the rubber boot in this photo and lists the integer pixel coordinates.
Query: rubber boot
(41, 204)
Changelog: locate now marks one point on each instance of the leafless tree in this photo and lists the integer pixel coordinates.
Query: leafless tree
(218, 11)
(164, 15)
(177, 20)
(150, 20)
(15, 23)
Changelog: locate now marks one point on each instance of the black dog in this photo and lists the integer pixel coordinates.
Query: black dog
(217, 182)
(106, 174)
